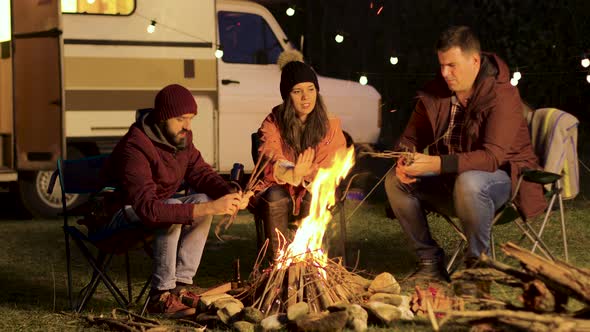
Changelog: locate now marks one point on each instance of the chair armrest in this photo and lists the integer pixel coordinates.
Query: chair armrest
(540, 177)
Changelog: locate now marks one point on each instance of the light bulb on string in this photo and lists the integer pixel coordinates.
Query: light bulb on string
(152, 27)
(219, 52)
(585, 62)
(363, 80)
(588, 78)
(339, 38)
(516, 75)
(90, 1)
(393, 60)
(290, 11)
(514, 81)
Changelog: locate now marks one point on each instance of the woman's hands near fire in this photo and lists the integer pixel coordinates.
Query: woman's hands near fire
(303, 166)
(421, 165)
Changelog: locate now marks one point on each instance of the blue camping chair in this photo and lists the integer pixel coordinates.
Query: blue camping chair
(81, 176)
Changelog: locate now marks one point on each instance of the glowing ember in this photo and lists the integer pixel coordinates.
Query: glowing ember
(307, 244)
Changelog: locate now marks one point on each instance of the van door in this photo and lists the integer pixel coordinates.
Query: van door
(37, 72)
(248, 80)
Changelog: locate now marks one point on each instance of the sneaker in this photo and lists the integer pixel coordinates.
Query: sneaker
(431, 270)
(170, 306)
(189, 298)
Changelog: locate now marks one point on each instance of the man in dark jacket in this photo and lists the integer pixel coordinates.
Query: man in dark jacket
(149, 165)
(470, 121)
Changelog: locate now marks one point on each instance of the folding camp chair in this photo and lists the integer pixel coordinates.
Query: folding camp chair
(554, 138)
(81, 176)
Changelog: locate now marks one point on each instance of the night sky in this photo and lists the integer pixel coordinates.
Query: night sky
(545, 40)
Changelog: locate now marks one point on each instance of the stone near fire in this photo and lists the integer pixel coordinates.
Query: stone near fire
(359, 282)
(357, 318)
(207, 300)
(386, 313)
(323, 321)
(229, 313)
(252, 315)
(385, 283)
(404, 307)
(393, 299)
(223, 302)
(274, 322)
(297, 310)
(243, 326)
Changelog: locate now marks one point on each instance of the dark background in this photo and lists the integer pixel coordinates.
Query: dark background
(544, 39)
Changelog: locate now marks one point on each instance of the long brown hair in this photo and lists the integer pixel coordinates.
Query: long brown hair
(300, 136)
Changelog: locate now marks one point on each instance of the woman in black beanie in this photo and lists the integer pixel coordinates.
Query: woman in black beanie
(301, 136)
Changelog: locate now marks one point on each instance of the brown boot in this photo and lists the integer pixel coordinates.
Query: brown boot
(275, 215)
(170, 306)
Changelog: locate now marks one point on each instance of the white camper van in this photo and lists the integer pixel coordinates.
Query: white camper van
(74, 72)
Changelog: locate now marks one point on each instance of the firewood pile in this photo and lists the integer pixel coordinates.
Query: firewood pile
(547, 287)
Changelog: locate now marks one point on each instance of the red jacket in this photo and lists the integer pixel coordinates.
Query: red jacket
(495, 130)
(147, 170)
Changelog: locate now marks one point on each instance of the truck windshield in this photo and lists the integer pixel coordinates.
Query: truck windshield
(247, 38)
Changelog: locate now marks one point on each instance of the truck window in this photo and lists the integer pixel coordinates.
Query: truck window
(247, 38)
(100, 7)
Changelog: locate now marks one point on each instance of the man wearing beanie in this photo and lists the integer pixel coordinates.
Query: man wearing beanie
(148, 166)
(301, 136)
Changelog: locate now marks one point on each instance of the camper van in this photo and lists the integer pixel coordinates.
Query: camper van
(73, 73)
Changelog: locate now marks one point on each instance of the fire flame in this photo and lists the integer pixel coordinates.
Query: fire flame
(307, 244)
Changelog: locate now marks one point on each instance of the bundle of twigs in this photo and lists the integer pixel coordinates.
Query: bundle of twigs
(123, 320)
(253, 182)
(283, 285)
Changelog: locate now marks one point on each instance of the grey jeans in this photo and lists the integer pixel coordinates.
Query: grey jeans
(177, 249)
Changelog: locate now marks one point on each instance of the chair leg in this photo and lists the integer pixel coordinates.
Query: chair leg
(69, 268)
(342, 232)
(493, 245)
(128, 272)
(102, 260)
(455, 254)
(119, 297)
(147, 297)
(530, 233)
(549, 208)
(563, 233)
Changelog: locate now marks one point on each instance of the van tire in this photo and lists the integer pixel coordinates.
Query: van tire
(32, 187)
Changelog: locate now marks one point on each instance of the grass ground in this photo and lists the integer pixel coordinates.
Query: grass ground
(33, 272)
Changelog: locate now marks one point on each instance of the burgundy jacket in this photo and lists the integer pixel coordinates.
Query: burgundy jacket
(495, 131)
(147, 170)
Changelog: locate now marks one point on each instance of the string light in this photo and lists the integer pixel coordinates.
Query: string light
(517, 75)
(393, 60)
(152, 27)
(363, 80)
(219, 52)
(514, 81)
(585, 62)
(588, 78)
(339, 38)
(290, 11)
(90, 1)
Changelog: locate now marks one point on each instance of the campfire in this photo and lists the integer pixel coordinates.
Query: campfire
(302, 271)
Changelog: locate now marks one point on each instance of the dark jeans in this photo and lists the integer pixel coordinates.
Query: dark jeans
(472, 196)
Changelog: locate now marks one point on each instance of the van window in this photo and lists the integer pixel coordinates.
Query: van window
(247, 38)
(101, 7)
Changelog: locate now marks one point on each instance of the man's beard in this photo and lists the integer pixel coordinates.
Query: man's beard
(177, 141)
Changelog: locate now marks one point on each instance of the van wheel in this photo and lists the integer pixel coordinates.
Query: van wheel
(34, 196)
(33, 192)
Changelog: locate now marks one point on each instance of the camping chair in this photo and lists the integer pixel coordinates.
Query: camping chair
(554, 138)
(81, 176)
(338, 208)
